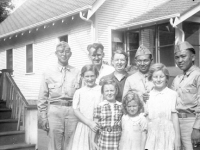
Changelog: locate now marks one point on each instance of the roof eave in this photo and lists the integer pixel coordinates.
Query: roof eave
(48, 21)
(144, 22)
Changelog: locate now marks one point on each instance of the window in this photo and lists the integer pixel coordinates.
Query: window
(9, 59)
(64, 38)
(192, 35)
(166, 38)
(29, 58)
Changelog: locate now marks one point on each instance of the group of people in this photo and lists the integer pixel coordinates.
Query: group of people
(103, 107)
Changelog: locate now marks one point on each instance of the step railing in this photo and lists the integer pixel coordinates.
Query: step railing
(21, 110)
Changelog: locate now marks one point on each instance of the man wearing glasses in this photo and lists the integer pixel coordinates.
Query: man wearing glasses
(138, 81)
(55, 99)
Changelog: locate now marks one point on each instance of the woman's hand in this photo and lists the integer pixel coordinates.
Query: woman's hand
(93, 126)
(177, 143)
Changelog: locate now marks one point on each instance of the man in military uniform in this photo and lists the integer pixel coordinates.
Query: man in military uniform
(138, 81)
(58, 85)
(187, 86)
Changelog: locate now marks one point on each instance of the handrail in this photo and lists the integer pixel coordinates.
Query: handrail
(14, 98)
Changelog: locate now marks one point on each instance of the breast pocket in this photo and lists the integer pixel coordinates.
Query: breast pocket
(54, 89)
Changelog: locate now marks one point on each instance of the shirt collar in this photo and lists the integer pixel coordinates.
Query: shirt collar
(60, 68)
(107, 102)
(189, 71)
(161, 92)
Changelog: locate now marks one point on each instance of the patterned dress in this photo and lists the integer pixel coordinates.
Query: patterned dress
(109, 118)
(161, 134)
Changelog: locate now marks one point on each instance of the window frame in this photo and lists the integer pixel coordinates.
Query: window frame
(62, 37)
(7, 59)
(32, 59)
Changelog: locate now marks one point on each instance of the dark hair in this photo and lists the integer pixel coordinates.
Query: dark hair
(96, 46)
(132, 96)
(120, 51)
(191, 50)
(158, 67)
(108, 82)
(89, 67)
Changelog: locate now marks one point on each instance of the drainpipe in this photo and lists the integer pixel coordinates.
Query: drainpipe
(92, 25)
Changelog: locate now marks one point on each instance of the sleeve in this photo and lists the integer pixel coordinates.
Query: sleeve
(197, 121)
(76, 100)
(42, 99)
(97, 112)
(143, 123)
(174, 102)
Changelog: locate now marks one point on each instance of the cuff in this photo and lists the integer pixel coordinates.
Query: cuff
(197, 124)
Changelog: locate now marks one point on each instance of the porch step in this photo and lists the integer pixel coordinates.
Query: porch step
(12, 137)
(5, 113)
(22, 146)
(8, 125)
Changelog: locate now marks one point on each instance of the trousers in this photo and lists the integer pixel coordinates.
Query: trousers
(186, 127)
(62, 124)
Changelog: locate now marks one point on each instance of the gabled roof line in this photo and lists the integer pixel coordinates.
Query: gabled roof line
(49, 20)
(148, 21)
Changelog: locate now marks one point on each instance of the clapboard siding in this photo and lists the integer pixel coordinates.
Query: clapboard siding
(44, 45)
(114, 13)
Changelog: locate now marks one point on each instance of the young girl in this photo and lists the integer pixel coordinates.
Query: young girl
(133, 124)
(84, 102)
(108, 115)
(163, 127)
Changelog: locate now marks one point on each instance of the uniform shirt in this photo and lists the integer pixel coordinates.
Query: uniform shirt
(104, 70)
(139, 83)
(187, 86)
(108, 114)
(120, 84)
(58, 83)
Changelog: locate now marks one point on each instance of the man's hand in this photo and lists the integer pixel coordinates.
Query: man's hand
(145, 96)
(45, 125)
(195, 136)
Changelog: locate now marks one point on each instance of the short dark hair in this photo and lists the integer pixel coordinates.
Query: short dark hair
(96, 46)
(120, 51)
(107, 82)
(132, 96)
(157, 67)
(89, 67)
(192, 50)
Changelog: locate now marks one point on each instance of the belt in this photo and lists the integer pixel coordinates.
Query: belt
(62, 103)
(185, 115)
(112, 128)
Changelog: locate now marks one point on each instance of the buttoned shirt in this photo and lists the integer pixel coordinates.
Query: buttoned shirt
(187, 86)
(108, 114)
(138, 83)
(58, 83)
(120, 84)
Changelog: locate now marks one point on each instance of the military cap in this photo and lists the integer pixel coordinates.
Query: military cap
(142, 50)
(63, 44)
(182, 46)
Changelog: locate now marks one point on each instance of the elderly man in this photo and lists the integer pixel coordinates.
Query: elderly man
(188, 87)
(55, 99)
(96, 55)
(119, 61)
(138, 81)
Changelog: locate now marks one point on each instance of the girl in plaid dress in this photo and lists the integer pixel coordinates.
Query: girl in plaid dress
(108, 115)
(134, 124)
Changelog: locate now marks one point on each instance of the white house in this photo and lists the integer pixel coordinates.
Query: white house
(29, 35)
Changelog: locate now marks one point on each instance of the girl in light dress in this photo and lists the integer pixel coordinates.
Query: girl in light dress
(108, 115)
(84, 102)
(163, 126)
(134, 124)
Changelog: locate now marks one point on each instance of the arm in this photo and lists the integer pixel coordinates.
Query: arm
(43, 104)
(177, 130)
(143, 140)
